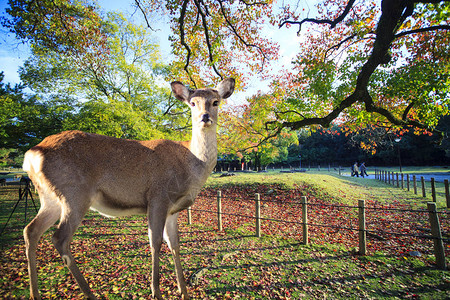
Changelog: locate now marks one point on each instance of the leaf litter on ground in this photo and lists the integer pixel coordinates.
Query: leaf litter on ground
(114, 254)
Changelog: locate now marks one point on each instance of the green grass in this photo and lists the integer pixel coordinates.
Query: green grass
(418, 170)
(9, 197)
(232, 264)
(338, 189)
(270, 268)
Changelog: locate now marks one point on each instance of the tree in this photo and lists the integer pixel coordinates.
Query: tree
(356, 66)
(361, 62)
(122, 98)
(67, 27)
(215, 39)
(25, 120)
(389, 77)
(243, 132)
(337, 145)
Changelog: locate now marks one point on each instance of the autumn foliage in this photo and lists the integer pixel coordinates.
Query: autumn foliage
(358, 63)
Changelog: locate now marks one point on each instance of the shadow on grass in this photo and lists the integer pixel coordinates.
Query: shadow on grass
(377, 285)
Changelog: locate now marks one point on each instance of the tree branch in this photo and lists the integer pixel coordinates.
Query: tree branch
(420, 30)
(144, 14)
(332, 23)
(208, 42)
(232, 27)
(393, 14)
(264, 140)
(183, 41)
(431, 1)
(339, 45)
(254, 3)
(406, 111)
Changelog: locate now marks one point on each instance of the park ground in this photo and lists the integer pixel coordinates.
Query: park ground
(114, 254)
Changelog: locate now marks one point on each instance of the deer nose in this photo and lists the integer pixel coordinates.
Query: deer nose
(205, 118)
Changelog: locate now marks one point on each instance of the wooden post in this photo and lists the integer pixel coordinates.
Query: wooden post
(437, 236)
(447, 196)
(389, 177)
(433, 190)
(407, 182)
(362, 227)
(415, 184)
(401, 180)
(219, 210)
(398, 183)
(339, 170)
(422, 180)
(305, 220)
(258, 214)
(189, 216)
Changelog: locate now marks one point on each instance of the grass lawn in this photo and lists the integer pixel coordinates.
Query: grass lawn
(419, 170)
(114, 254)
(340, 189)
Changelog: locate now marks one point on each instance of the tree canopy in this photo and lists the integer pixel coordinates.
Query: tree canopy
(119, 99)
(359, 64)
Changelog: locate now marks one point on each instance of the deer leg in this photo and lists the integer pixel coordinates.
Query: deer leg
(172, 239)
(48, 214)
(62, 239)
(155, 233)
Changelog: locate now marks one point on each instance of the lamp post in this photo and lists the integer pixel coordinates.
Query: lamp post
(397, 140)
(300, 161)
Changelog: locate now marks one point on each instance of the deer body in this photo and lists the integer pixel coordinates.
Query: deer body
(75, 171)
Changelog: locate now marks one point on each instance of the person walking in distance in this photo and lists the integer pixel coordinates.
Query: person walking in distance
(355, 169)
(363, 169)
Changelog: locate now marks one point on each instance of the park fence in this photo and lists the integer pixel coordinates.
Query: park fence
(361, 231)
(411, 183)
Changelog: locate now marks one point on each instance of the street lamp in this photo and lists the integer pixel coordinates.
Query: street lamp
(397, 140)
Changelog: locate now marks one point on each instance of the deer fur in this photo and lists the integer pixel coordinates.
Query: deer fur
(75, 171)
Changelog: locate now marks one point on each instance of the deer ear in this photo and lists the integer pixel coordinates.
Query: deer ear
(226, 88)
(181, 92)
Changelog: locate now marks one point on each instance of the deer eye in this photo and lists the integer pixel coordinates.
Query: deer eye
(192, 103)
(216, 103)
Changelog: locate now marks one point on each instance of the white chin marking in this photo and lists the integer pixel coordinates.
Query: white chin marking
(207, 124)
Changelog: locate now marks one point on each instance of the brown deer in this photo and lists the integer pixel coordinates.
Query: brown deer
(75, 171)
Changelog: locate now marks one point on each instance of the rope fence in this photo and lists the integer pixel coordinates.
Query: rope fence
(360, 222)
(363, 228)
(412, 183)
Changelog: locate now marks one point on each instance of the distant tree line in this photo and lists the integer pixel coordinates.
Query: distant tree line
(335, 147)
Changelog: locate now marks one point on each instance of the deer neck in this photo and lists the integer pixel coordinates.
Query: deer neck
(204, 146)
